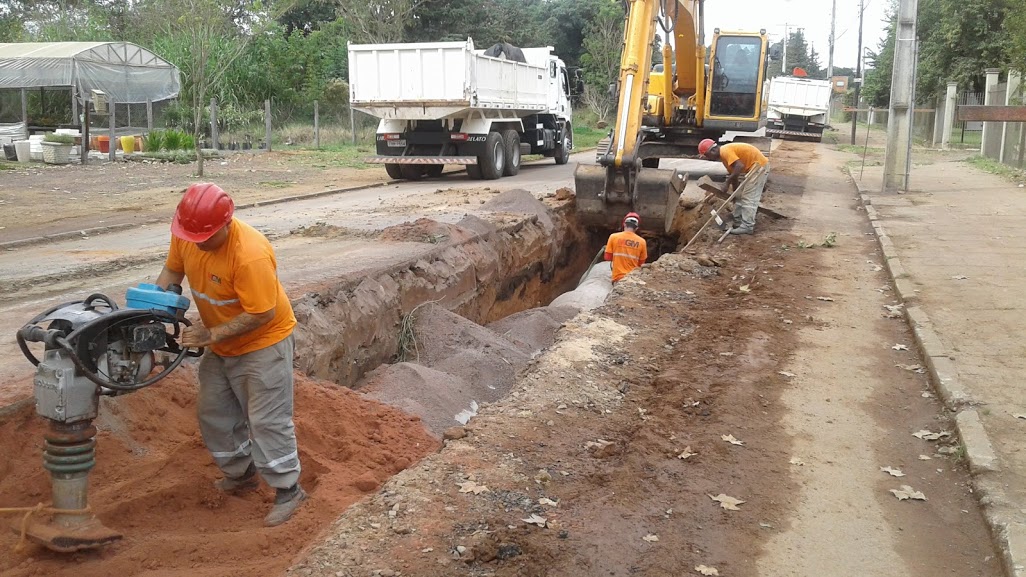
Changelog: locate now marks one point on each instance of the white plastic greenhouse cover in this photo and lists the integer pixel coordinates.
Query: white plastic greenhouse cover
(127, 73)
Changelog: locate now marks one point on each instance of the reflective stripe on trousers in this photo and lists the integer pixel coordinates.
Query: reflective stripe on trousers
(245, 412)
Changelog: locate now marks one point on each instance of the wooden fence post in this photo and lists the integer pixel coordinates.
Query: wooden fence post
(267, 123)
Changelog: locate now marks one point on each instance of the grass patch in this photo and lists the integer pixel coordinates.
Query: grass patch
(276, 183)
(587, 137)
(6, 165)
(859, 149)
(994, 167)
(338, 156)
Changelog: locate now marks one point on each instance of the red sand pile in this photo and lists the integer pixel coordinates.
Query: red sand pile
(153, 481)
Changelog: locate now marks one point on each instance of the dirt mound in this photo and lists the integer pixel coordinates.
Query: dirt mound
(534, 329)
(440, 400)
(520, 201)
(153, 482)
(426, 230)
(441, 335)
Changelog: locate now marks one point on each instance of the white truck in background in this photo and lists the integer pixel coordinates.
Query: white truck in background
(797, 107)
(448, 103)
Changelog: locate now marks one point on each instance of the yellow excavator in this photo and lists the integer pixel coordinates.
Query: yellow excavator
(666, 110)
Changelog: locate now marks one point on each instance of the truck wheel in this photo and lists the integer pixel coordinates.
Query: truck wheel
(411, 171)
(650, 162)
(393, 171)
(493, 162)
(434, 170)
(562, 153)
(511, 139)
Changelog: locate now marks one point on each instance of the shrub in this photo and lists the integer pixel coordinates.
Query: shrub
(173, 140)
(59, 138)
(154, 140)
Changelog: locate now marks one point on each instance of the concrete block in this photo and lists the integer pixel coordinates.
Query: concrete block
(886, 244)
(1014, 545)
(866, 199)
(978, 448)
(894, 266)
(928, 341)
(945, 380)
(905, 289)
(871, 212)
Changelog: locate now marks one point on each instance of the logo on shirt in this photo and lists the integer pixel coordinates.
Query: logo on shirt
(215, 278)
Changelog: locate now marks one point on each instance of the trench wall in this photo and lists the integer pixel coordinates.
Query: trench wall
(348, 328)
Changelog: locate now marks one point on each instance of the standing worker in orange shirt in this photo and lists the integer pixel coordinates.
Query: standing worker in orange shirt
(245, 392)
(739, 158)
(626, 249)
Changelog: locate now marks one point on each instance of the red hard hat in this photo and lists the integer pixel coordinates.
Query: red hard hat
(633, 215)
(204, 210)
(705, 145)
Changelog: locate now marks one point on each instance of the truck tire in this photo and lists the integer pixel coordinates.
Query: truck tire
(411, 171)
(650, 162)
(562, 152)
(394, 171)
(511, 139)
(434, 170)
(474, 171)
(493, 162)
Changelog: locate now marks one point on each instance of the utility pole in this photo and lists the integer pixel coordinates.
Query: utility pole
(858, 74)
(830, 50)
(783, 61)
(899, 118)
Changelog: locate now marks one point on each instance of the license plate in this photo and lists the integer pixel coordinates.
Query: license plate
(396, 143)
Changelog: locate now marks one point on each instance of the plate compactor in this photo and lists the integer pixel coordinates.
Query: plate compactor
(93, 348)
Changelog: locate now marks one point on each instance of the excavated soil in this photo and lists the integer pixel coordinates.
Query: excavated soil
(153, 482)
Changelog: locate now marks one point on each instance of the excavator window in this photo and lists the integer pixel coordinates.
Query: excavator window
(737, 61)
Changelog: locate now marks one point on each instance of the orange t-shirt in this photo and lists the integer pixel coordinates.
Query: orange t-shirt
(746, 153)
(240, 276)
(627, 250)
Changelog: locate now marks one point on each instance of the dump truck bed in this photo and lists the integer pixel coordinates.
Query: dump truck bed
(436, 80)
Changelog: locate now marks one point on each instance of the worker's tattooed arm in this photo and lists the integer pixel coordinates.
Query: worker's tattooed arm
(199, 336)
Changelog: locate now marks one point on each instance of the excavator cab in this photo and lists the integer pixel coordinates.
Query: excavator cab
(736, 73)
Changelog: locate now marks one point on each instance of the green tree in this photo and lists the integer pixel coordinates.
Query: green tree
(601, 59)
(1015, 27)
(876, 91)
(960, 39)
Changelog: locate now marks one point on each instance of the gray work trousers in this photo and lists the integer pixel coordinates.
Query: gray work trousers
(747, 206)
(245, 413)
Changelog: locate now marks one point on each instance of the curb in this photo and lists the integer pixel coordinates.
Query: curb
(98, 230)
(1008, 535)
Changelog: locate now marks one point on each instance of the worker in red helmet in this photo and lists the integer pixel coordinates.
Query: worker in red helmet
(245, 393)
(626, 249)
(739, 158)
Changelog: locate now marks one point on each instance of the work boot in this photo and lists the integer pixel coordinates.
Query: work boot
(742, 229)
(239, 485)
(286, 501)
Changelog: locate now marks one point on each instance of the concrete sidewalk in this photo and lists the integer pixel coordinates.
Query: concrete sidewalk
(956, 248)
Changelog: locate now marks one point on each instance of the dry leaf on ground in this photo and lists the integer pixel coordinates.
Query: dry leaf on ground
(785, 373)
(707, 570)
(928, 435)
(547, 501)
(686, 453)
(1019, 415)
(900, 347)
(892, 471)
(471, 487)
(730, 439)
(827, 299)
(798, 462)
(924, 457)
(914, 368)
(960, 277)
(650, 538)
(906, 492)
(727, 502)
(535, 520)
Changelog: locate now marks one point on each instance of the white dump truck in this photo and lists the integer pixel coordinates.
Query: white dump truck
(448, 103)
(797, 107)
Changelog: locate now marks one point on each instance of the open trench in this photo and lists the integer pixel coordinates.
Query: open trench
(469, 314)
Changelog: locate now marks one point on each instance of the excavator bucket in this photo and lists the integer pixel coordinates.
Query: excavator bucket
(604, 195)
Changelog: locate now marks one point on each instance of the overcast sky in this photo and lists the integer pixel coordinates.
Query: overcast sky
(811, 15)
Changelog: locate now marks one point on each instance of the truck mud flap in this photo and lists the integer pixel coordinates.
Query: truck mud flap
(602, 202)
(421, 160)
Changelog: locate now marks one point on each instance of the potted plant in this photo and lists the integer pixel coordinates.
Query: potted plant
(57, 148)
